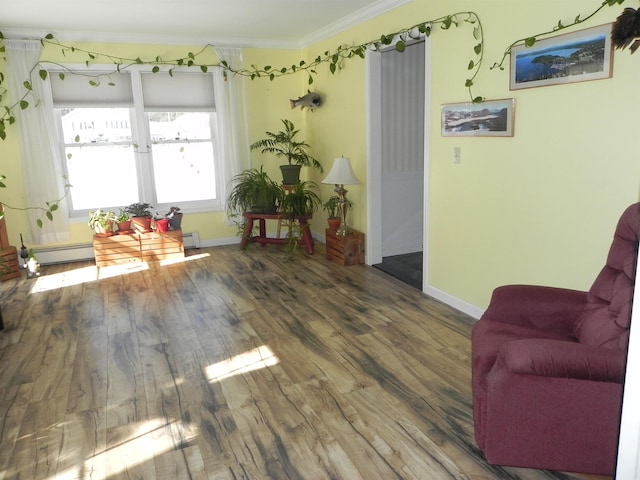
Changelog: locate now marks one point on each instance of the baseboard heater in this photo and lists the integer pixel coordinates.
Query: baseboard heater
(81, 252)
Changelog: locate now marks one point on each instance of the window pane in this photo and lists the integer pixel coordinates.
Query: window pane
(96, 125)
(184, 172)
(102, 176)
(179, 126)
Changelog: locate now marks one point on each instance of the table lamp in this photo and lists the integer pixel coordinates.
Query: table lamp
(341, 174)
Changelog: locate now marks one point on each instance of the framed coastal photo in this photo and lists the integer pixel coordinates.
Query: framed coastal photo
(572, 57)
(487, 119)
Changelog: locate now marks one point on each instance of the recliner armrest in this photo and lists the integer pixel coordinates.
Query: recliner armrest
(547, 308)
(555, 358)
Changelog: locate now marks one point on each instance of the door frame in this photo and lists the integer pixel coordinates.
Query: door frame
(373, 87)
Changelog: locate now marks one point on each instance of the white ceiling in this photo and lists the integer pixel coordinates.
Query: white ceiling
(267, 23)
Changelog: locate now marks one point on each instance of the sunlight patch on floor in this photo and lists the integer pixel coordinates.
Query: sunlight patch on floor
(255, 359)
(151, 439)
(185, 259)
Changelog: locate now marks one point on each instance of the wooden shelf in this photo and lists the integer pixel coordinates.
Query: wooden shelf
(345, 249)
(136, 247)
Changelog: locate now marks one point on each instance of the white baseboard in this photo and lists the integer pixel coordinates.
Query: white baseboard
(454, 302)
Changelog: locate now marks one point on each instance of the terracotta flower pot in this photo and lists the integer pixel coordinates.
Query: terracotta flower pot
(141, 224)
(334, 223)
(124, 226)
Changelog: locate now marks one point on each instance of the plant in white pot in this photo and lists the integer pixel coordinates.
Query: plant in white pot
(285, 144)
(101, 221)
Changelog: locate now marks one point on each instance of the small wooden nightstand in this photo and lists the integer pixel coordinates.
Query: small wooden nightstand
(345, 249)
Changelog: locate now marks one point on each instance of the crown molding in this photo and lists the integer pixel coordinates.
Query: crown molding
(356, 18)
(351, 21)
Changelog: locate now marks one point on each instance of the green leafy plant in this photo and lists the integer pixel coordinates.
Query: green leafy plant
(302, 200)
(123, 216)
(331, 206)
(139, 209)
(101, 220)
(254, 191)
(285, 144)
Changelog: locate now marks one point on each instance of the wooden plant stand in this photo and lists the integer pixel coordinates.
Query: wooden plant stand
(138, 247)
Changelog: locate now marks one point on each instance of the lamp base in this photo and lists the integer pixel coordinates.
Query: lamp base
(343, 230)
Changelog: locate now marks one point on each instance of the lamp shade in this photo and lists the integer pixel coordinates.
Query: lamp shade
(341, 173)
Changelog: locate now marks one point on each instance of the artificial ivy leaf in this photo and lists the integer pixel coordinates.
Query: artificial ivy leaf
(27, 84)
(111, 84)
(401, 46)
(204, 68)
(191, 55)
(61, 75)
(267, 68)
(54, 207)
(468, 83)
(93, 83)
(190, 63)
(24, 104)
(310, 81)
(478, 100)
(471, 65)
(476, 32)
(560, 25)
(49, 215)
(272, 76)
(43, 74)
(171, 72)
(139, 60)
(332, 68)
(477, 49)
(76, 138)
(283, 70)
(92, 56)
(302, 62)
(529, 42)
(39, 223)
(155, 69)
(446, 24)
(577, 19)
(3, 134)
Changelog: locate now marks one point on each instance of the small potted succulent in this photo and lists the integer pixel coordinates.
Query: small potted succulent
(123, 220)
(140, 216)
(175, 218)
(101, 221)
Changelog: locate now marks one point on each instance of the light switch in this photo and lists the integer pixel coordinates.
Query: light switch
(456, 154)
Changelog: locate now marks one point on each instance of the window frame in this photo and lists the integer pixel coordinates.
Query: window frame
(141, 137)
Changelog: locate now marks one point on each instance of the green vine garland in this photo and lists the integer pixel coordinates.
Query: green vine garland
(530, 41)
(334, 60)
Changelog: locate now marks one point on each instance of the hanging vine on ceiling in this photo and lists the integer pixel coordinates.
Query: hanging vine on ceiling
(531, 40)
(335, 60)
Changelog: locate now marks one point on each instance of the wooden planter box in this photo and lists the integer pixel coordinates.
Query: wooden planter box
(345, 249)
(136, 247)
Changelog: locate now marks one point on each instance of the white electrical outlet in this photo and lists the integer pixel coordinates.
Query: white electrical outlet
(456, 154)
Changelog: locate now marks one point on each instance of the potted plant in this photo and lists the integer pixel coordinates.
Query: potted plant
(254, 191)
(101, 221)
(140, 216)
(123, 220)
(331, 207)
(301, 200)
(284, 144)
(175, 218)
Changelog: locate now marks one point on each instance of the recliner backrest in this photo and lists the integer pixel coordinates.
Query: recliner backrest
(607, 317)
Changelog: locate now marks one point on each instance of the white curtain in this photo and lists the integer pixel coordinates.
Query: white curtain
(41, 163)
(232, 139)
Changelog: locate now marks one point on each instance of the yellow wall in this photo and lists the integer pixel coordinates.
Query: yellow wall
(536, 208)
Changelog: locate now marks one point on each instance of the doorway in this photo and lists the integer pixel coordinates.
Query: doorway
(396, 190)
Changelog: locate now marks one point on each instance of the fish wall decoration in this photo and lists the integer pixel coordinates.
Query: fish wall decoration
(311, 100)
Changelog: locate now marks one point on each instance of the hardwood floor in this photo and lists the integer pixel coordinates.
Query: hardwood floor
(235, 365)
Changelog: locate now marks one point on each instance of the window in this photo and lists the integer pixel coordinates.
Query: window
(138, 136)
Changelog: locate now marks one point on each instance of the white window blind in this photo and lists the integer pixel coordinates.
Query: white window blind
(113, 90)
(183, 91)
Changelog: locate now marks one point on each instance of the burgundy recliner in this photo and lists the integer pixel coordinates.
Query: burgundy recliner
(548, 367)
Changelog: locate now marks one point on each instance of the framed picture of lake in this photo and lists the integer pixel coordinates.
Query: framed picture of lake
(572, 57)
(487, 119)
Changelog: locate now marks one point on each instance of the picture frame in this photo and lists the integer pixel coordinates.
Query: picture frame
(572, 57)
(493, 118)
